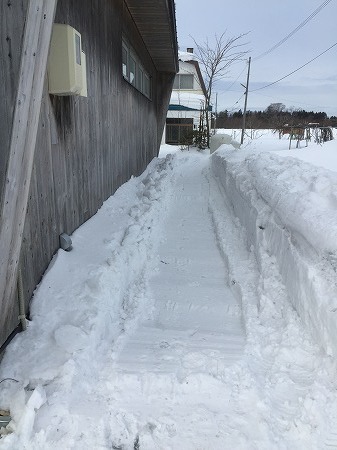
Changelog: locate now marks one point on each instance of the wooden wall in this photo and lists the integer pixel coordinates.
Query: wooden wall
(12, 21)
(12, 14)
(87, 147)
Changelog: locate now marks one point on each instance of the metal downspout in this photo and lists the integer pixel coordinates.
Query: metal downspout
(22, 309)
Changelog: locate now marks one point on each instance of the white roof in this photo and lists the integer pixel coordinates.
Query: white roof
(186, 56)
(189, 99)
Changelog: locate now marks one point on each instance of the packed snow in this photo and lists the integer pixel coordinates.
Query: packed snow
(195, 311)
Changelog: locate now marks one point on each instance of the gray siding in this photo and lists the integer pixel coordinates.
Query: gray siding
(87, 147)
(11, 34)
(12, 20)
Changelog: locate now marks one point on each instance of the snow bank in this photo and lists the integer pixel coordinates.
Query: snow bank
(89, 301)
(289, 209)
(219, 139)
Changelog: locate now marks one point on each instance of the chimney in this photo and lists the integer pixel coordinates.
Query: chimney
(189, 49)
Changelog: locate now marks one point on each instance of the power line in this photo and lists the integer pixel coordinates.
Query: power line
(236, 79)
(296, 70)
(301, 25)
(232, 107)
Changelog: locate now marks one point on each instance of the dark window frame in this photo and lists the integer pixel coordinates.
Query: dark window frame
(180, 81)
(133, 71)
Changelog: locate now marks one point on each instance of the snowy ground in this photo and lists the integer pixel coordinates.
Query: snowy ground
(196, 311)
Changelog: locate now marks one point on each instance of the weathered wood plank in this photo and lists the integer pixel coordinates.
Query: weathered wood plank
(39, 21)
(11, 35)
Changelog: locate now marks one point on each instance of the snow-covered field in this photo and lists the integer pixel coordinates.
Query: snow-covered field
(197, 310)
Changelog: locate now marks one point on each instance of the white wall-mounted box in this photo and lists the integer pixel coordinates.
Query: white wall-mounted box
(84, 90)
(66, 70)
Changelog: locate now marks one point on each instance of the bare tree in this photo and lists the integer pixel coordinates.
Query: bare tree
(215, 63)
(275, 113)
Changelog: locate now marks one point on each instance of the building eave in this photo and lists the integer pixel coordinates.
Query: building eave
(156, 23)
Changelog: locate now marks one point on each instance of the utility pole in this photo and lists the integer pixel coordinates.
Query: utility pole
(216, 111)
(245, 107)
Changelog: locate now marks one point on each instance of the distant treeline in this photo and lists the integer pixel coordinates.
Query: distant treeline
(273, 117)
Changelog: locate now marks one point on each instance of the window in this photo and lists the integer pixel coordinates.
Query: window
(183, 81)
(146, 85)
(134, 72)
(125, 62)
(186, 81)
(139, 78)
(179, 131)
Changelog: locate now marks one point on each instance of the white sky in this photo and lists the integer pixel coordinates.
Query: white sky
(312, 88)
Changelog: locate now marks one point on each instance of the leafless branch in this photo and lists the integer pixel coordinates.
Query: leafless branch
(216, 60)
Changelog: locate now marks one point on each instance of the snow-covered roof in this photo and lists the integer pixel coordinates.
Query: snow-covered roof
(189, 99)
(187, 56)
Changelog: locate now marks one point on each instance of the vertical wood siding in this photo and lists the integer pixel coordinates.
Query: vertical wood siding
(12, 22)
(87, 147)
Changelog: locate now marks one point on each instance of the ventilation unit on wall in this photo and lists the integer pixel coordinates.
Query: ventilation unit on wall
(66, 63)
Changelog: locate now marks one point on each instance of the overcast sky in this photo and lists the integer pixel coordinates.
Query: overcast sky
(314, 87)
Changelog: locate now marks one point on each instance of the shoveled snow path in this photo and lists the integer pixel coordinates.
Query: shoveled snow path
(196, 321)
(167, 375)
(194, 348)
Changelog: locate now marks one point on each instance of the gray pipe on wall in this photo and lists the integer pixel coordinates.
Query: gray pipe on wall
(22, 309)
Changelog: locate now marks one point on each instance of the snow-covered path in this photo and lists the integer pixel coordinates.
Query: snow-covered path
(167, 375)
(196, 321)
(162, 330)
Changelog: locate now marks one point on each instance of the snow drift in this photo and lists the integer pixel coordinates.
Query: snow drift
(289, 209)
